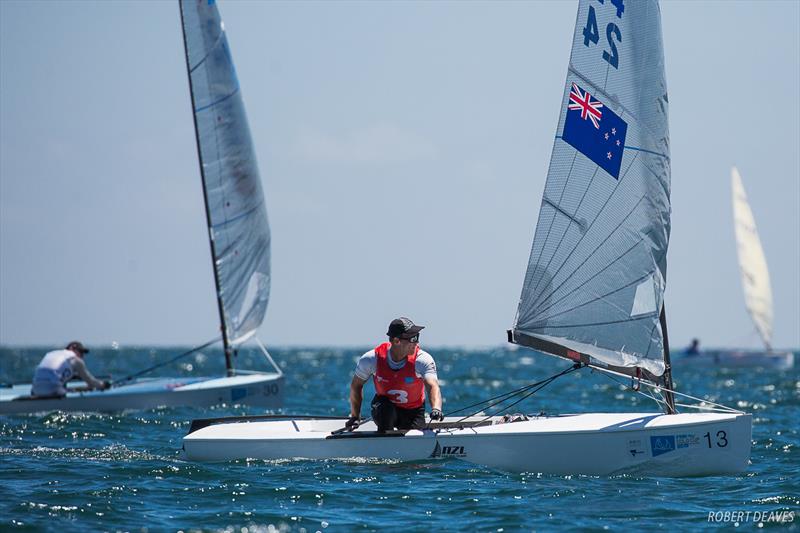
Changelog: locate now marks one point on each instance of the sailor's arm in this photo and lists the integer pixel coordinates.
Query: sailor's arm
(356, 396)
(434, 393)
(79, 367)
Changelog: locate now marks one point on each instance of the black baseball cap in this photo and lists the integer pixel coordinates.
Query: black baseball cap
(78, 347)
(403, 328)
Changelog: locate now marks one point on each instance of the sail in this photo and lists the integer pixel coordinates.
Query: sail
(235, 207)
(752, 263)
(595, 280)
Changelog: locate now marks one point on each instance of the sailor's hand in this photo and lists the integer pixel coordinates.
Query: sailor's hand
(352, 423)
(106, 385)
(436, 414)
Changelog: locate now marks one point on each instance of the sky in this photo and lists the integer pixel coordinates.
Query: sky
(403, 149)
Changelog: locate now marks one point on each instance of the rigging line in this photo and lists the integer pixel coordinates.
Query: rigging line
(504, 396)
(534, 391)
(720, 407)
(568, 277)
(509, 395)
(550, 227)
(491, 405)
(659, 402)
(564, 296)
(588, 229)
(164, 363)
(361, 422)
(598, 298)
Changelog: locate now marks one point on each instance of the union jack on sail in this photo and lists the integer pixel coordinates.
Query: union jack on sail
(582, 101)
(604, 145)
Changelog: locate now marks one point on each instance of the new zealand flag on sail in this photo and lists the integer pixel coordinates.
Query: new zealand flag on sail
(594, 130)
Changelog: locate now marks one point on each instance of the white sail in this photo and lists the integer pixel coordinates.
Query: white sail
(596, 275)
(752, 262)
(235, 207)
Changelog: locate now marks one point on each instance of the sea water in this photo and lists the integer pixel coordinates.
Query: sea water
(122, 471)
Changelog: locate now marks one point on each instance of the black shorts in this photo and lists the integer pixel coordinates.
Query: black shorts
(387, 415)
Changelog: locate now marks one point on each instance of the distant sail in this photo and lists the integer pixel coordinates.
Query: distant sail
(597, 270)
(752, 262)
(235, 206)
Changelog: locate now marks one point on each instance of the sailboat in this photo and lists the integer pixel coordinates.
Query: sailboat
(757, 292)
(238, 234)
(593, 294)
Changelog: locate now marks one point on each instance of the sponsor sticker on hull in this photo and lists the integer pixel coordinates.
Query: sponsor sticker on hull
(662, 444)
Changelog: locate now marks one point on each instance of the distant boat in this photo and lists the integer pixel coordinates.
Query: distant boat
(593, 294)
(238, 234)
(757, 292)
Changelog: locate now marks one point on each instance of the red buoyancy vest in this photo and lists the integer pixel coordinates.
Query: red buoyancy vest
(402, 386)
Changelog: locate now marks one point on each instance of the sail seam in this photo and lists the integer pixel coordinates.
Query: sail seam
(211, 49)
(635, 148)
(606, 323)
(237, 217)
(588, 257)
(212, 104)
(556, 302)
(566, 230)
(600, 212)
(601, 297)
(552, 221)
(647, 151)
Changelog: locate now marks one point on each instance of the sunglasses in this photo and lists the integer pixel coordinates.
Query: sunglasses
(415, 338)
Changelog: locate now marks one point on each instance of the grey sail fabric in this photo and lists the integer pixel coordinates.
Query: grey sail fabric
(597, 270)
(235, 205)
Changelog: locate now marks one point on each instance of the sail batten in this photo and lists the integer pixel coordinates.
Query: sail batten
(235, 208)
(597, 269)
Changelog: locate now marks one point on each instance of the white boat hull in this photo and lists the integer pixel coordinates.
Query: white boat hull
(594, 444)
(739, 358)
(259, 389)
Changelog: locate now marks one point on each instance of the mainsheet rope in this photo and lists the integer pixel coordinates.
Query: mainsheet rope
(159, 365)
(526, 392)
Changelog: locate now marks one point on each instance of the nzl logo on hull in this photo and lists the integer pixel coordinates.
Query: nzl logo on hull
(662, 445)
(448, 451)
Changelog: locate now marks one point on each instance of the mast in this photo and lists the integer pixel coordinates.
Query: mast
(225, 343)
(669, 408)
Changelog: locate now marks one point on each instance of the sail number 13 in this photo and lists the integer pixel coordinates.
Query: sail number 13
(721, 440)
(613, 33)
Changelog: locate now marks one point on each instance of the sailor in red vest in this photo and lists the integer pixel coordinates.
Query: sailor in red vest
(400, 371)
